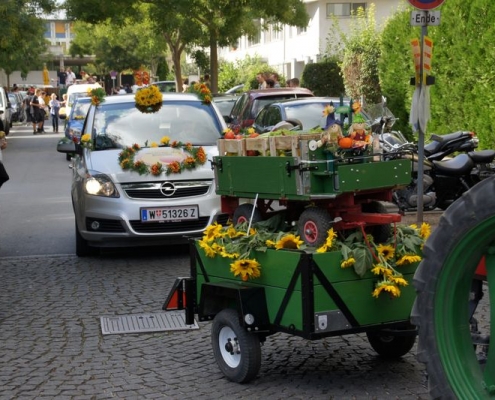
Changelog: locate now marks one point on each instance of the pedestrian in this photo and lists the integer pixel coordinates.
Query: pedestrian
(276, 79)
(54, 111)
(37, 112)
(270, 83)
(261, 81)
(70, 78)
(26, 105)
(62, 76)
(294, 82)
(206, 80)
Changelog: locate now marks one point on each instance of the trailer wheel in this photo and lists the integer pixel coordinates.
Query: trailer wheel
(237, 352)
(243, 214)
(388, 345)
(313, 226)
(444, 284)
(380, 233)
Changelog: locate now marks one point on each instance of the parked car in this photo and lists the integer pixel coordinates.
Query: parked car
(75, 91)
(225, 102)
(251, 102)
(5, 112)
(116, 207)
(75, 121)
(15, 99)
(306, 112)
(235, 89)
(165, 86)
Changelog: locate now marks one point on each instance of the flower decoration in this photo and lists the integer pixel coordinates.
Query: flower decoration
(202, 91)
(329, 109)
(79, 117)
(97, 96)
(149, 99)
(128, 163)
(356, 107)
(384, 259)
(85, 141)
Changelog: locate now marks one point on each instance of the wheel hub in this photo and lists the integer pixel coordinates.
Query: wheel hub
(232, 347)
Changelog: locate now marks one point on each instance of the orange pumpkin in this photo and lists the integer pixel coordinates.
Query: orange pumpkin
(345, 143)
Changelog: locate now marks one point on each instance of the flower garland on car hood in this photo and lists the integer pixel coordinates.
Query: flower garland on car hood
(169, 157)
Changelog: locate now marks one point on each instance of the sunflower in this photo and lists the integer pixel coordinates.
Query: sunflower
(425, 230)
(165, 140)
(386, 286)
(212, 232)
(408, 259)
(207, 249)
(347, 263)
(329, 109)
(154, 144)
(246, 269)
(386, 251)
(290, 241)
(399, 280)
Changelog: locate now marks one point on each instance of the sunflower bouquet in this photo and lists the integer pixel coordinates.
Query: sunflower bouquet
(97, 96)
(202, 91)
(149, 99)
(86, 142)
(384, 259)
(235, 243)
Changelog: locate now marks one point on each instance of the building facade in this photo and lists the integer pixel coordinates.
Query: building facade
(289, 49)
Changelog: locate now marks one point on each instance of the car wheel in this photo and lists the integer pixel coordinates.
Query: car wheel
(83, 249)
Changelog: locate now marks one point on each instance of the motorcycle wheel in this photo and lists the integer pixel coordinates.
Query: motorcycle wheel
(441, 311)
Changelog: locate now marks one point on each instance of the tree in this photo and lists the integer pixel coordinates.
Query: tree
(22, 42)
(205, 23)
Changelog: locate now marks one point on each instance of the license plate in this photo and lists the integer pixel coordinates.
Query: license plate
(172, 213)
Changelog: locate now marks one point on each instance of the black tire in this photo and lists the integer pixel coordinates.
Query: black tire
(388, 345)
(243, 214)
(380, 233)
(443, 282)
(83, 249)
(237, 352)
(313, 226)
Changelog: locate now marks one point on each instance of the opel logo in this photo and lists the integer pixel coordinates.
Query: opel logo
(167, 189)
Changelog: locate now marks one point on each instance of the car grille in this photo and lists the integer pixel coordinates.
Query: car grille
(169, 227)
(151, 190)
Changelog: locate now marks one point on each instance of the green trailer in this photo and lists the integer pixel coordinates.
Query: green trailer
(299, 292)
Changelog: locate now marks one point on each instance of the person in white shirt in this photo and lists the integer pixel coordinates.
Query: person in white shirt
(71, 77)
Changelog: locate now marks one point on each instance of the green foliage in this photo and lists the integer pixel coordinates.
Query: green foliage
(243, 71)
(324, 78)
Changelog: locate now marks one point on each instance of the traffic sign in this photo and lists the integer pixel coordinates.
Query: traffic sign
(426, 4)
(425, 18)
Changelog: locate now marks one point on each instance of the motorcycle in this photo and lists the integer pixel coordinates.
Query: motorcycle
(444, 181)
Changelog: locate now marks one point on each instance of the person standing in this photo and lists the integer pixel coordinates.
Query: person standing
(26, 105)
(62, 77)
(54, 110)
(37, 112)
(71, 77)
(261, 81)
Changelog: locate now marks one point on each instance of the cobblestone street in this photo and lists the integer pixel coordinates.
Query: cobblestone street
(53, 348)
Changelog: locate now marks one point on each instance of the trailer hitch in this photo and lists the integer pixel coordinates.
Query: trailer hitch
(289, 168)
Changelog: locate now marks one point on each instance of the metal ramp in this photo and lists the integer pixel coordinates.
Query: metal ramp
(143, 323)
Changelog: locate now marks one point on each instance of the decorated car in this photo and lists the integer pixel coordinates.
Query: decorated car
(141, 175)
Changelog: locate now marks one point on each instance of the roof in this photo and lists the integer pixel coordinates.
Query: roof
(127, 98)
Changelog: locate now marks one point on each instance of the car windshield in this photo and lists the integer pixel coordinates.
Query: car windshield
(311, 115)
(80, 110)
(123, 125)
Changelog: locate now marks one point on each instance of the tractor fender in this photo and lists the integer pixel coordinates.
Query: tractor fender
(248, 301)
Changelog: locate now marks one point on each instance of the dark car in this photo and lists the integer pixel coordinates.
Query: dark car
(16, 104)
(251, 102)
(306, 112)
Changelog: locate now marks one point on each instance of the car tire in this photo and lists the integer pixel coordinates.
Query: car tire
(83, 249)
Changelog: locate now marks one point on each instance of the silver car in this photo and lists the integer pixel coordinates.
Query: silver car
(149, 196)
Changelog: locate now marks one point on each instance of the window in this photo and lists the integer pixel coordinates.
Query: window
(343, 9)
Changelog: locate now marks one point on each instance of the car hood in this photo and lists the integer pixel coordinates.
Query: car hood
(107, 162)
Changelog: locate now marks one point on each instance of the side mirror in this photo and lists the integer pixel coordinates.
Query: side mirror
(66, 146)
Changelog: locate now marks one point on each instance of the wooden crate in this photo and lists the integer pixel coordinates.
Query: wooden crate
(231, 147)
(260, 145)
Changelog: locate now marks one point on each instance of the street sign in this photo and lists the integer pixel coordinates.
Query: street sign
(425, 18)
(426, 4)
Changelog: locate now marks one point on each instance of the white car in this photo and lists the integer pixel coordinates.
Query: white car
(118, 200)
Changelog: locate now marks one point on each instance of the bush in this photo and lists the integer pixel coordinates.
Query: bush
(323, 78)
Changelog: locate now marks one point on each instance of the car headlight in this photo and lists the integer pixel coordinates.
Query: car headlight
(100, 185)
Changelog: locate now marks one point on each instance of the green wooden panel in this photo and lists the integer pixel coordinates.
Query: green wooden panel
(353, 177)
(368, 310)
(262, 175)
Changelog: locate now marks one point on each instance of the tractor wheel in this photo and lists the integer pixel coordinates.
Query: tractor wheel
(444, 283)
(243, 214)
(313, 226)
(389, 345)
(237, 352)
(380, 233)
